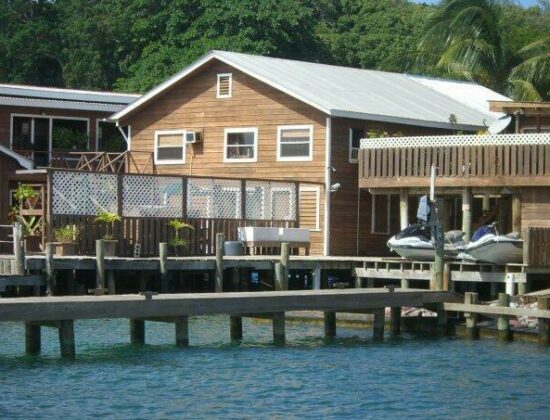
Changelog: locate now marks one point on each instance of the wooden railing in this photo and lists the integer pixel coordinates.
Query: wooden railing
(536, 246)
(149, 232)
(458, 165)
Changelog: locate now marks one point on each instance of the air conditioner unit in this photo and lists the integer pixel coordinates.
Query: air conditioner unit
(192, 137)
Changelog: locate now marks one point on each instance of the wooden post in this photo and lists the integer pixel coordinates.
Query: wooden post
(396, 320)
(137, 332)
(182, 330)
(66, 339)
(438, 265)
(100, 264)
(516, 212)
(472, 330)
(544, 323)
(219, 262)
(378, 324)
(503, 323)
(442, 320)
(279, 328)
(18, 249)
(142, 281)
(236, 327)
(446, 276)
(280, 283)
(111, 285)
(163, 261)
(330, 324)
(404, 220)
(285, 257)
(50, 275)
(467, 213)
(317, 278)
(32, 338)
(485, 203)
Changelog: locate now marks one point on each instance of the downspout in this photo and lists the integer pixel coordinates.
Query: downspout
(328, 173)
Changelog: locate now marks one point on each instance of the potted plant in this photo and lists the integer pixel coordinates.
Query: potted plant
(109, 240)
(27, 197)
(65, 240)
(178, 243)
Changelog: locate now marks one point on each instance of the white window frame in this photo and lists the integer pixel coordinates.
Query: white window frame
(317, 191)
(373, 214)
(170, 161)
(351, 148)
(308, 158)
(253, 130)
(219, 76)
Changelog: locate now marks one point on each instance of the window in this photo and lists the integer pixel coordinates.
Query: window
(240, 144)
(380, 214)
(309, 207)
(170, 147)
(295, 142)
(224, 86)
(355, 136)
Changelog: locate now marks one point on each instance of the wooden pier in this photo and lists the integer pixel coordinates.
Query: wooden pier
(61, 312)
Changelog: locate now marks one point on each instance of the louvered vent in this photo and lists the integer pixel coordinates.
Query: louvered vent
(224, 86)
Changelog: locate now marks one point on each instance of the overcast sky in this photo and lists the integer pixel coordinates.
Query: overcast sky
(522, 2)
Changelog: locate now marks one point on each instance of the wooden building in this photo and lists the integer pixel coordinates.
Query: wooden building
(238, 115)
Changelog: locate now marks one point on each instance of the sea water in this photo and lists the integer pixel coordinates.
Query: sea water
(310, 377)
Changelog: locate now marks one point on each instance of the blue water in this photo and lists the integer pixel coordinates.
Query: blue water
(350, 376)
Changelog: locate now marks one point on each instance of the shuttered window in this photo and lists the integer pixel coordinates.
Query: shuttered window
(294, 142)
(309, 207)
(224, 85)
(170, 147)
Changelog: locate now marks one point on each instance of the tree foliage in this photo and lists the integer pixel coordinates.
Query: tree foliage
(132, 45)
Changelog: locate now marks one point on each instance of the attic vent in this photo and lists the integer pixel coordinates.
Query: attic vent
(224, 85)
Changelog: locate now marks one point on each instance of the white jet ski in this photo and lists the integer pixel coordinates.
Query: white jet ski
(488, 246)
(414, 243)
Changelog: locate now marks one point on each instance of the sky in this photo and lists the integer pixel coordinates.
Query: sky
(525, 3)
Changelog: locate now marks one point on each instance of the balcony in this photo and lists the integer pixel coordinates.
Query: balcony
(511, 160)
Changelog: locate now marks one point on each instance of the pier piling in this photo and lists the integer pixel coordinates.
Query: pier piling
(472, 329)
(49, 272)
(163, 262)
(279, 336)
(18, 249)
(503, 322)
(330, 324)
(236, 327)
(544, 324)
(285, 262)
(219, 262)
(137, 332)
(396, 320)
(378, 324)
(182, 330)
(100, 264)
(66, 339)
(32, 338)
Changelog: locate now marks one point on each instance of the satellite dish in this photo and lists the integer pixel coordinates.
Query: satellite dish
(499, 125)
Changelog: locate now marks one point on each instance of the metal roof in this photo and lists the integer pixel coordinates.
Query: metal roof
(354, 93)
(45, 97)
(24, 162)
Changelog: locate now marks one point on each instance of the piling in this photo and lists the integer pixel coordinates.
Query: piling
(50, 275)
(378, 324)
(330, 324)
(285, 258)
(516, 211)
(544, 324)
(163, 261)
(396, 320)
(18, 249)
(219, 262)
(66, 339)
(280, 283)
(404, 221)
(236, 327)
(100, 264)
(503, 323)
(279, 328)
(32, 338)
(111, 284)
(137, 332)
(472, 329)
(182, 330)
(467, 213)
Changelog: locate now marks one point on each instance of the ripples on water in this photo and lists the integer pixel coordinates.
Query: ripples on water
(311, 377)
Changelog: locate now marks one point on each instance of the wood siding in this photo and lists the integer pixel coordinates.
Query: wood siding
(535, 207)
(192, 105)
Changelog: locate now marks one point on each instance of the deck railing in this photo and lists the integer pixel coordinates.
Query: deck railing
(512, 160)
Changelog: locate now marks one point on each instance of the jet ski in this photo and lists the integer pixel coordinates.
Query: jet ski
(487, 245)
(414, 243)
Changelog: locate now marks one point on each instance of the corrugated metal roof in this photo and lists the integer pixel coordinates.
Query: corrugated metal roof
(348, 92)
(60, 104)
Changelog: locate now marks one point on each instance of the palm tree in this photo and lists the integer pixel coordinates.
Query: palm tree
(465, 40)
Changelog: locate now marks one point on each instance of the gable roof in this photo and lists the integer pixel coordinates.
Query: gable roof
(355, 93)
(47, 97)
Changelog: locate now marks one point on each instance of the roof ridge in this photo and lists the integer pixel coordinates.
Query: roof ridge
(66, 90)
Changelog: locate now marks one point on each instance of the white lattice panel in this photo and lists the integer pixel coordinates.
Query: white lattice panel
(83, 193)
(213, 198)
(462, 140)
(152, 196)
(270, 200)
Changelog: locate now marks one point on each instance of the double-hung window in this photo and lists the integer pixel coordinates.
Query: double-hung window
(240, 144)
(295, 143)
(170, 147)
